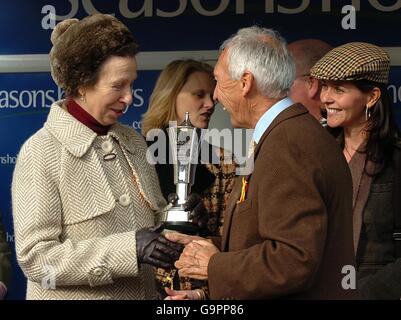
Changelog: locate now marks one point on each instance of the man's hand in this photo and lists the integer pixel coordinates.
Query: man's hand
(153, 248)
(195, 258)
(182, 238)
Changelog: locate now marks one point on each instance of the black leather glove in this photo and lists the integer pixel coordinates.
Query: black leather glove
(199, 213)
(153, 248)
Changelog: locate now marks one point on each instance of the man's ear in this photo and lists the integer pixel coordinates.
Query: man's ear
(247, 82)
(374, 96)
(313, 88)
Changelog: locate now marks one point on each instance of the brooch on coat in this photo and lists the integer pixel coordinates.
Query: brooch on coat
(244, 190)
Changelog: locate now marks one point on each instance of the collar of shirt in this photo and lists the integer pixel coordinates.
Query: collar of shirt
(268, 117)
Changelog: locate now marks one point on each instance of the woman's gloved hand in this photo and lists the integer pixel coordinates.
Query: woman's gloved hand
(153, 248)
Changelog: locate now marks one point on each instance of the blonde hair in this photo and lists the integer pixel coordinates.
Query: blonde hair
(162, 102)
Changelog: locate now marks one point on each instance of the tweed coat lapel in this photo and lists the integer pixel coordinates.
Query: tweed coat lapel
(77, 139)
(290, 112)
(91, 195)
(72, 134)
(134, 148)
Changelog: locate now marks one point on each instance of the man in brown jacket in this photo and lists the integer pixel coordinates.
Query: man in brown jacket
(288, 225)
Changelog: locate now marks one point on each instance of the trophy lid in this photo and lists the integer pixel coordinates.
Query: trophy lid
(187, 122)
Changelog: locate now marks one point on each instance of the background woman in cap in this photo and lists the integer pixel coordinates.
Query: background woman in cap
(188, 85)
(84, 197)
(359, 109)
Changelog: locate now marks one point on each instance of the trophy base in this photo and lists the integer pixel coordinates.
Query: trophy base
(183, 227)
(177, 219)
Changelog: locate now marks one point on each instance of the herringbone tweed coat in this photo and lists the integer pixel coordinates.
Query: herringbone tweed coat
(76, 211)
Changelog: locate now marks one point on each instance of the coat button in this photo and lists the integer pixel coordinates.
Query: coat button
(109, 156)
(125, 200)
(98, 271)
(107, 146)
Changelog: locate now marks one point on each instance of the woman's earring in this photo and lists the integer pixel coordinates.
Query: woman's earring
(83, 98)
(367, 113)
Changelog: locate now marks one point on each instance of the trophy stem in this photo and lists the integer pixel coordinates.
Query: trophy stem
(182, 191)
(184, 146)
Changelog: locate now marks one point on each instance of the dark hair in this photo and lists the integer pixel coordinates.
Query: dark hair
(383, 132)
(81, 47)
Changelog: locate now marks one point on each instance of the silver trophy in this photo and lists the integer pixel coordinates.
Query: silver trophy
(184, 145)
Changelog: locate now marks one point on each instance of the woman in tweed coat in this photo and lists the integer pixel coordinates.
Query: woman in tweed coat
(85, 199)
(359, 110)
(188, 85)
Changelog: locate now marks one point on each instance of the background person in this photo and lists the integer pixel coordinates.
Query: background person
(187, 86)
(84, 197)
(359, 109)
(305, 88)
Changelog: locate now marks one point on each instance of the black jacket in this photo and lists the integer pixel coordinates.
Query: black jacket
(378, 262)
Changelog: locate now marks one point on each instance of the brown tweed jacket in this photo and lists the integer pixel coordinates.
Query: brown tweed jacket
(292, 235)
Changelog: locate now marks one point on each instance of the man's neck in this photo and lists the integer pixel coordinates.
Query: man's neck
(259, 107)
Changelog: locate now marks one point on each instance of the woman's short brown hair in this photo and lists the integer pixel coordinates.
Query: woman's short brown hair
(80, 48)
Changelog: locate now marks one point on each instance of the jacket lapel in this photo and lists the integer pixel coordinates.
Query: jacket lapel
(234, 196)
(292, 111)
(135, 148)
(72, 134)
(81, 168)
(77, 139)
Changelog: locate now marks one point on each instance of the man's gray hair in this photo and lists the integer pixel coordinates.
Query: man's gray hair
(262, 52)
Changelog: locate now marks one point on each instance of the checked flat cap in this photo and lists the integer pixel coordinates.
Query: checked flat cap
(354, 61)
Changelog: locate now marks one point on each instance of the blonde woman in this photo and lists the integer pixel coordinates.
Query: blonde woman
(188, 86)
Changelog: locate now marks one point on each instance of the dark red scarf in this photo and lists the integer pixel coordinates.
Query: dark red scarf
(84, 117)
